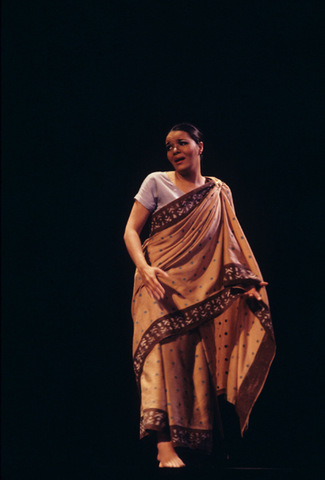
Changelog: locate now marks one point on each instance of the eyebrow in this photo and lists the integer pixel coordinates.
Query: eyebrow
(178, 140)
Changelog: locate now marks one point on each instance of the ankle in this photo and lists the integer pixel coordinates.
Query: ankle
(163, 437)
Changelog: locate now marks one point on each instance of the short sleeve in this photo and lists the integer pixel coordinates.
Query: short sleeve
(147, 195)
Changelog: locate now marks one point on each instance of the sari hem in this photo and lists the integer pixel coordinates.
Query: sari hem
(193, 438)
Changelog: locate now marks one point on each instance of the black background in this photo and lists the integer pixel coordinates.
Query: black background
(89, 91)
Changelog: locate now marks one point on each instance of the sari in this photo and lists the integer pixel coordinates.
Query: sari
(204, 338)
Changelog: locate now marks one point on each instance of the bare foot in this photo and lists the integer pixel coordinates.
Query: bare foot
(167, 456)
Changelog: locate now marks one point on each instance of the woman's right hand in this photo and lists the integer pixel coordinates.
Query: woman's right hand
(149, 277)
(137, 219)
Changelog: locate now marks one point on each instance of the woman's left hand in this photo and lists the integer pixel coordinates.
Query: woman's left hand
(252, 292)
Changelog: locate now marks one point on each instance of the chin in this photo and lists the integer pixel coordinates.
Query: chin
(182, 169)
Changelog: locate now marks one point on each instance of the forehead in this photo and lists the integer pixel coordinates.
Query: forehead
(177, 135)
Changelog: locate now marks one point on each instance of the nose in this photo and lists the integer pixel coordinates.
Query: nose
(175, 149)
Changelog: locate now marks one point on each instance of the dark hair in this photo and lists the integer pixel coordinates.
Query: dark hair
(193, 132)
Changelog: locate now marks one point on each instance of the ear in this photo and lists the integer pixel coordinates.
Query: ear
(200, 147)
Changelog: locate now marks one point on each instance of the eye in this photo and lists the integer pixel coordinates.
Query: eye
(168, 147)
(183, 143)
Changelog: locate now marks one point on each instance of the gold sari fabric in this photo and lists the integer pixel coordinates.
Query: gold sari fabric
(203, 338)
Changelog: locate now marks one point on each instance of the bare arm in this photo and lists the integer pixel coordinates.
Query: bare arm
(137, 219)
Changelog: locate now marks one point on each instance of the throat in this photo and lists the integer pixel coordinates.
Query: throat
(186, 183)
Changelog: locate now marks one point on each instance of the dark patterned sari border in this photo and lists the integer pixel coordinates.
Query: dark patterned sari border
(181, 321)
(191, 438)
(174, 211)
(153, 419)
(176, 323)
(235, 273)
(157, 420)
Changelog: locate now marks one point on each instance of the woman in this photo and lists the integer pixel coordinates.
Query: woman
(201, 320)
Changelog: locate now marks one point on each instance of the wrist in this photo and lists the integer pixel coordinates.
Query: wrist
(142, 267)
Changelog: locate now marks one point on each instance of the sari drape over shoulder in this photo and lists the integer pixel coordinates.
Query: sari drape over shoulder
(204, 338)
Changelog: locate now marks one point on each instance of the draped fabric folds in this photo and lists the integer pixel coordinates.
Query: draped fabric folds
(203, 338)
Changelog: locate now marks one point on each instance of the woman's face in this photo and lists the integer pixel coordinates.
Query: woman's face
(182, 151)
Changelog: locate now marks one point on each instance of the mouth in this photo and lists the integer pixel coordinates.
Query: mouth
(179, 160)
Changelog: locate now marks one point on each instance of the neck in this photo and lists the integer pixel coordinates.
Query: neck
(194, 177)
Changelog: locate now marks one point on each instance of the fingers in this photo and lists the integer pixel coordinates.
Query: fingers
(253, 293)
(161, 272)
(152, 284)
(257, 295)
(150, 292)
(159, 292)
(156, 292)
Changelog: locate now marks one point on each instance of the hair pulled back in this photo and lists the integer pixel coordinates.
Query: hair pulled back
(193, 132)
